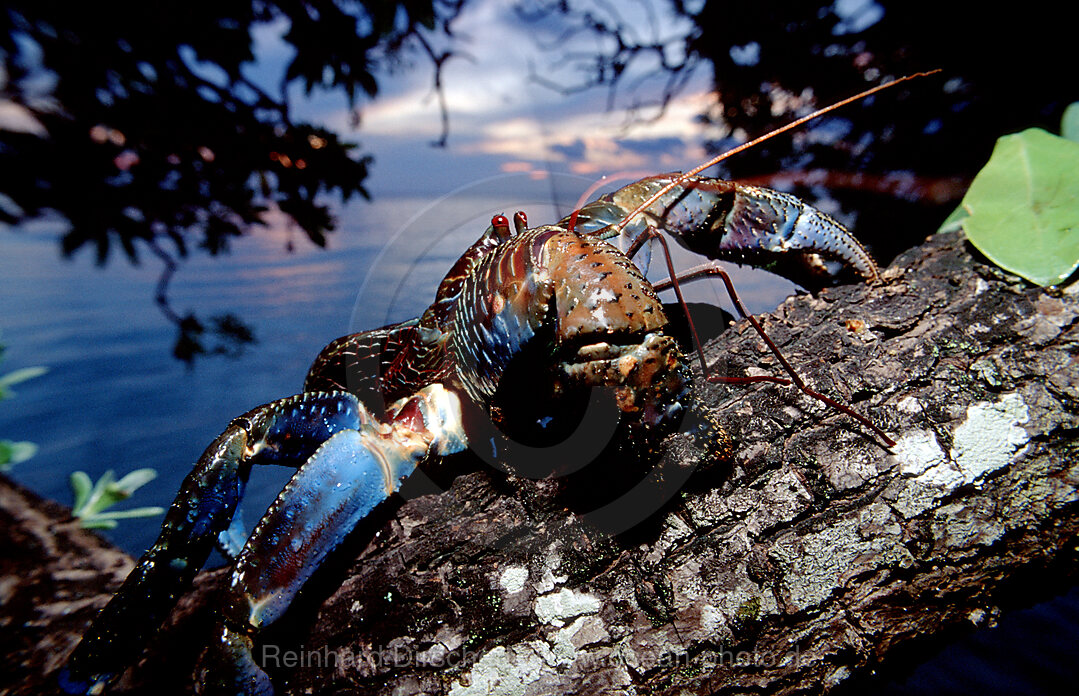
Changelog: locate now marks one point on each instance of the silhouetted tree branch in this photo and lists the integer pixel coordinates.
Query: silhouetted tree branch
(147, 129)
(630, 50)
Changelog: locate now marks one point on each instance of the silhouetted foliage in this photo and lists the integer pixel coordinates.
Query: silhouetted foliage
(897, 162)
(151, 129)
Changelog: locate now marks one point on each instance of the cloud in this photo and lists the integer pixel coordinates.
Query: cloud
(595, 140)
(499, 115)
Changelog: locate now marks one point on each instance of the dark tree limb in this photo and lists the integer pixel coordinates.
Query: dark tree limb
(54, 578)
(806, 553)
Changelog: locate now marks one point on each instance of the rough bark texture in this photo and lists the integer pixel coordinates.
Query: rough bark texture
(809, 551)
(54, 577)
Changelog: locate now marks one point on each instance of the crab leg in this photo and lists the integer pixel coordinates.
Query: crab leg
(285, 432)
(338, 486)
(728, 221)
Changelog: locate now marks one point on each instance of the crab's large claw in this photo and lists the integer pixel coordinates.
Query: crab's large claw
(313, 429)
(285, 432)
(338, 486)
(728, 221)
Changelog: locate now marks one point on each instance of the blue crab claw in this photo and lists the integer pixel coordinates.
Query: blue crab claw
(341, 483)
(283, 432)
(338, 486)
(347, 462)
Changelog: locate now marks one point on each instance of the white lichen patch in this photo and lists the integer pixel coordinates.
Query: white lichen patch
(918, 452)
(990, 436)
(816, 564)
(557, 607)
(548, 580)
(513, 579)
(987, 440)
(510, 671)
(500, 672)
(713, 620)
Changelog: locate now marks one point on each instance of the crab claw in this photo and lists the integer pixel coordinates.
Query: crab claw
(728, 221)
(347, 463)
(765, 226)
(340, 484)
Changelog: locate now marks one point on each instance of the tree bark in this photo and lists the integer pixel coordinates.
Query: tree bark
(780, 556)
(54, 577)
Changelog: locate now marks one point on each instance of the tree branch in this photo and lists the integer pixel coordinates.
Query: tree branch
(798, 552)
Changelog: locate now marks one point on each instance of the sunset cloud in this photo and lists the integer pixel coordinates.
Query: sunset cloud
(500, 119)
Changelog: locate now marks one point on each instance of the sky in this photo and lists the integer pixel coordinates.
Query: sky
(501, 121)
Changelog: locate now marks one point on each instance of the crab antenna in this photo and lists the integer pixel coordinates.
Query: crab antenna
(771, 134)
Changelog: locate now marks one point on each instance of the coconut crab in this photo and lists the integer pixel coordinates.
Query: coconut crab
(568, 293)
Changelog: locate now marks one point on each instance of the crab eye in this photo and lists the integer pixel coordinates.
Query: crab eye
(520, 221)
(501, 226)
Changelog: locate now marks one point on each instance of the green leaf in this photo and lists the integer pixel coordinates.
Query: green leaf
(91, 499)
(22, 375)
(1023, 206)
(12, 453)
(954, 222)
(81, 486)
(135, 480)
(1069, 125)
(97, 502)
(18, 376)
(133, 513)
(95, 523)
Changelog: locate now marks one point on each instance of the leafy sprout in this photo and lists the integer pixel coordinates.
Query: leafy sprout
(12, 453)
(92, 499)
